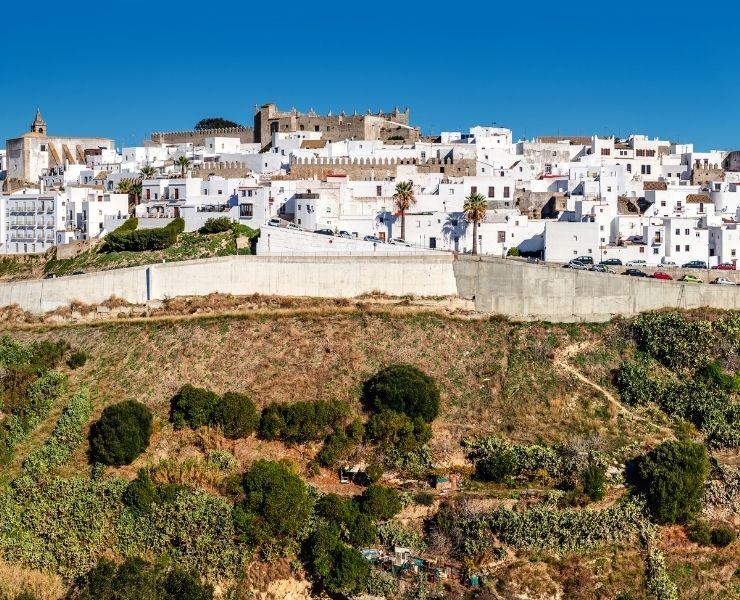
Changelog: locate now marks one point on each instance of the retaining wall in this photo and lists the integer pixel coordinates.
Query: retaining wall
(508, 287)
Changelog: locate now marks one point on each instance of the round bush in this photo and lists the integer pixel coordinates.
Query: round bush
(380, 503)
(121, 434)
(593, 480)
(77, 359)
(236, 415)
(723, 536)
(194, 407)
(402, 388)
(671, 477)
(699, 533)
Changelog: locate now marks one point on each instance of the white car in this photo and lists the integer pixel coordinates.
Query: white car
(293, 226)
(723, 281)
(274, 222)
(636, 263)
(399, 242)
(667, 263)
(578, 266)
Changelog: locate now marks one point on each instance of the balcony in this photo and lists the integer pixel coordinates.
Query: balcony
(306, 196)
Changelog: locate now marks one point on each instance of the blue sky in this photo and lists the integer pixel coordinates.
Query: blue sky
(536, 67)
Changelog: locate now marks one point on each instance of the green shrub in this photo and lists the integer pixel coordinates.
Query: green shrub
(129, 224)
(402, 388)
(497, 466)
(216, 225)
(397, 431)
(276, 508)
(713, 374)
(302, 422)
(374, 473)
(699, 533)
(193, 406)
(236, 415)
(77, 360)
(66, 437)
(636, 386)
(121, 434)
(424, 498)
(141, 240)
(141, 493)
(223, 460)
(513, 252)
(593, 479)
(135, 579)
(357, 528)
(723, 536)
(671, 477)
(335, 449)
(380, 503)
(673, 340)
(341, 570)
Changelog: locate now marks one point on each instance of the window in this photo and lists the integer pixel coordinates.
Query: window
(605, 152)
(629, 168)
(646, 170)
(678, 231)
(316, 128)
(491, 192)
(501, 236)
(177, 193)
(678, 248)
(378, 190)
(452, 191)
(687, 248)
(687, 231)
(473, 189)
(642, 249)
(506, 192)
(662, 202)
(655, 250)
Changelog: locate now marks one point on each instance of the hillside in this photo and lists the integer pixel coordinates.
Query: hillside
(540, 389)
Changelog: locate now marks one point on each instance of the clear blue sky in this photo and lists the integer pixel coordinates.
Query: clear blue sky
(536, 67)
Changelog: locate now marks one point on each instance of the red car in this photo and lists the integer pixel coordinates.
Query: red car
(661, 275)
(725, 267)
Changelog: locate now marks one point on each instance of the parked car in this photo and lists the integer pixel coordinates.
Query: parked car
(662, 275)
(611, 262)
(345, 234)
(638, 262)
(324, 231)
(399, 242)
(722, 281)
(50, 276)
(586, 260)
(373, 238)
(694, 264)
(601, 269)
(533, 260)
(574, 264)
(293, 226)
(667, 263)
(690, 279)
(725, 267)
(274, 222)
(635, 273)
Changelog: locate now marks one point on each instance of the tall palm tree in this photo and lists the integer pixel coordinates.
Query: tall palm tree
(147, 172)
(475, 211)
(183, 162)
(403, 200)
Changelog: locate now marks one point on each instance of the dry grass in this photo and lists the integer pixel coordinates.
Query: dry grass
(14, 579)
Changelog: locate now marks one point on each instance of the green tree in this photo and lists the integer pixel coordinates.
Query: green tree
(147, 172)
(193, 406)
(340, 569)
(236, 414)
(215, 123)
(593, 480)
(380, 503)
(672, 477)
(403, 199)
(402, 388)
(121, 433)
(276, 506)
(475, 211)
(183, 162)
(396, 431)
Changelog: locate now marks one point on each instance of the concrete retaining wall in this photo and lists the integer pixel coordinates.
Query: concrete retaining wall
(525, 291)
(509, 287)
(325, 276)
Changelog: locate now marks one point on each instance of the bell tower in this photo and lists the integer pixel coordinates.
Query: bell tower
(38, 125)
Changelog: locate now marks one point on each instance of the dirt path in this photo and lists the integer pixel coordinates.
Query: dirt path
(561, 361)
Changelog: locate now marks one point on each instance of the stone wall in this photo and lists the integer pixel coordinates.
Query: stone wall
(245, 135)
(375, 168)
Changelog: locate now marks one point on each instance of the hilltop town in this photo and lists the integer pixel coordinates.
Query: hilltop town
(646, 201)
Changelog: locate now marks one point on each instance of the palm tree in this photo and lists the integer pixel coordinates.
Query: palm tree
(183, 162)
(147, 172)
(475, 211)
(132, 187)
(404, 199)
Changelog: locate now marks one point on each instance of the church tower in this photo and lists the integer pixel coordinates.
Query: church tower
(38, 125)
